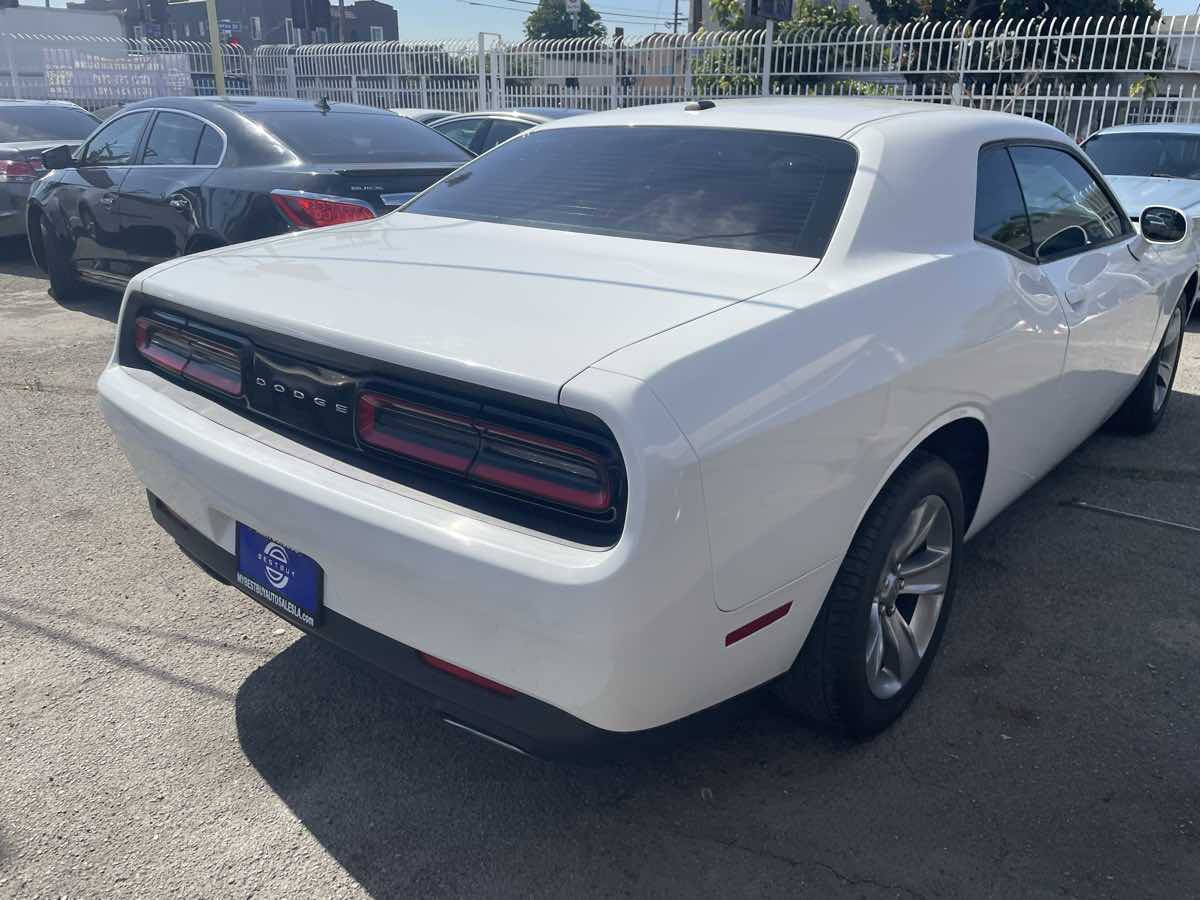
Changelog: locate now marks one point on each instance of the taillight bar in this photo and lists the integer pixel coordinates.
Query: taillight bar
(305, 210)
(185, 352)
(487, 452)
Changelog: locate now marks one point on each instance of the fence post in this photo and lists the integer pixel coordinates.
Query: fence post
(482, 75)
(353, 88)
(768, 41)
(292, 88)
(12, 67)
(615, 84)
(956, 93)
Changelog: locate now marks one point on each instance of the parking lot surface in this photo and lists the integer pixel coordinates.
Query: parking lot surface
(161, 734)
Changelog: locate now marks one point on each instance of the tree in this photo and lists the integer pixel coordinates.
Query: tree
(900, 12)
(550, 19)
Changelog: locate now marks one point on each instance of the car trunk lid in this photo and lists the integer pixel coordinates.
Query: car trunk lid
(514, 308)
(382, 185)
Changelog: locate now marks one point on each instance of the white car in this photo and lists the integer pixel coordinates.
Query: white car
(1151, 164)
(645, 409)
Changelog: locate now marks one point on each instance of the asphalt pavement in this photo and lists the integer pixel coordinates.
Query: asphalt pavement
(161, 734)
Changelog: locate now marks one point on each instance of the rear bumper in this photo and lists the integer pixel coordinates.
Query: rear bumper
(595, 642)
(520, 722)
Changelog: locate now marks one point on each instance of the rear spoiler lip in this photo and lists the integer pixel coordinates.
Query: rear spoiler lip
(419, 168)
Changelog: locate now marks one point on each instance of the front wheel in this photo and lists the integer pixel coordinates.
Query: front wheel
(64, 280)
(883, 619)
(1145, 407)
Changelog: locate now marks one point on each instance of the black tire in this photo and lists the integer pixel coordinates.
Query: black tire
(828, 683)
(64, 279)
(1142, 411)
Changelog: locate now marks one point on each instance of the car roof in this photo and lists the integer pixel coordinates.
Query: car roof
(823, 116)
(548, 112)
(250, 104)
(1159, 128)
(66, 103)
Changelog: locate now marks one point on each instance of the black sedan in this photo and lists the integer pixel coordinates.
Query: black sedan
(163, 178)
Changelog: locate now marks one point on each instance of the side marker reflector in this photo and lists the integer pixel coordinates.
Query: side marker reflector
(757, 624)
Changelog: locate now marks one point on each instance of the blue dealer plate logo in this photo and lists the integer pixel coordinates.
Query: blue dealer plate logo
(283, 578)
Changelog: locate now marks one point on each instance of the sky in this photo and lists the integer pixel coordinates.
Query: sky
(465, 18)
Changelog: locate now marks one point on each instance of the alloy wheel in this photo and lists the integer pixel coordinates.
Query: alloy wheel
(908, 598)
(1168, 357)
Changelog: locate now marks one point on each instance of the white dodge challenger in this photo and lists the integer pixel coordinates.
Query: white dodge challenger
(644, 409)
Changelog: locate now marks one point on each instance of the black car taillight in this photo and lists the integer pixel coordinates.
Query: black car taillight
(197, 356)
(553, 470)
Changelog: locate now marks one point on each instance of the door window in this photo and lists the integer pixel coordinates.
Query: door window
(211, 145)
(501, 131)
(461, 131)
(173, 140)
(1000, 216)
(114, 145)
(1068, 210)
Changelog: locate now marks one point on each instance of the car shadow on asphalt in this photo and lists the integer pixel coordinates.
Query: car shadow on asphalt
(408, 805)
(15, 261)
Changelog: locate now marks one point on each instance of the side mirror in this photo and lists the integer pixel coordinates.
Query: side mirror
(1163, 225)
(58, 158)
(1073, 237)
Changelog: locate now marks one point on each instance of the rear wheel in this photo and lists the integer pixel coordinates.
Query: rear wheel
(64, 280)
(1145, 407)
(879, 629)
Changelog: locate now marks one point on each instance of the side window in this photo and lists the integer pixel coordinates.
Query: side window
(462, 131)
(173, 140)
(1000, 215)
(115, 144)
(501, 131)
(209, 151)
(1068, 210)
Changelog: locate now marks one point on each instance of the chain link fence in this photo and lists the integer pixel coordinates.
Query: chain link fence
(1078, 74)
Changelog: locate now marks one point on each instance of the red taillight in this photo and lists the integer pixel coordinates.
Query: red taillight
(306, 211)
(538, 467)
(191, 355)
(467, 675)
(17, 170)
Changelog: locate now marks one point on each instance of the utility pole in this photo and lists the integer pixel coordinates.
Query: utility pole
(675, 21)
(341, 21)
(214, 37)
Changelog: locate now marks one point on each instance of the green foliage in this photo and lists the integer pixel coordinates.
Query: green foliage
(815, 14)
(550, 19)
(899, 12)
(730, 15)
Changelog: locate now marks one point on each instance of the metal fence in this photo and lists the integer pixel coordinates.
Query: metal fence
(1076, 73)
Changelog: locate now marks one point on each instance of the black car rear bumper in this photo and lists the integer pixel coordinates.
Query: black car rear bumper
(517, 721)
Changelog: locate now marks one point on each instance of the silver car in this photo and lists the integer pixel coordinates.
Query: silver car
(27, 127)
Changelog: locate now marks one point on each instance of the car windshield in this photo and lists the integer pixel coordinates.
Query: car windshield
(1146, 153)
(750, 190)
(44, 123)
(358, 137)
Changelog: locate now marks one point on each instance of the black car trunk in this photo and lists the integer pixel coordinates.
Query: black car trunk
(383, 185)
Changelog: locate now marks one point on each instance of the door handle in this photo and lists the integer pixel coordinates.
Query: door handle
(1075, 296)
(179, 203)
(107, 199)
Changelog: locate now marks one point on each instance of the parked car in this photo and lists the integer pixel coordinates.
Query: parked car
(164, 178)
(27, 127)
(424, 116)
(480, 132)
(1151, 164)
(578, 456)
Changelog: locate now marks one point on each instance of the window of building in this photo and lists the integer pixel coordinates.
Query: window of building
(289, 31)
(202, 28)
(187, 30)
(377, 32)
(256, 28)
(322, 36)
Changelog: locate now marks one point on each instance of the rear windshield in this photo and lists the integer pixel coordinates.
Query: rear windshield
(44, 123)
(1146, 153)
(748, 190)
(358, 137)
